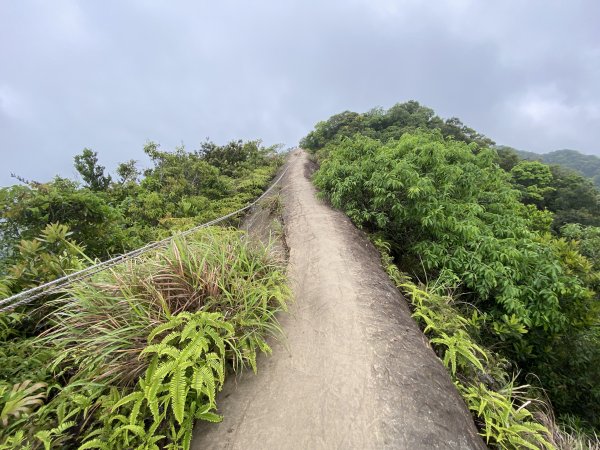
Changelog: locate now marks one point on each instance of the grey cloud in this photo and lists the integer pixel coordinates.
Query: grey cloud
(111, 75)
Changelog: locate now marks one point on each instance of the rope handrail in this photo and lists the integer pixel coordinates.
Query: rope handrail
(31, 294)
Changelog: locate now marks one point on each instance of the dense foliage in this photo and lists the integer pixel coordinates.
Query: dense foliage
(134, 357)
(385, 125)
(131, 358)
(587, 165)
(454, 214)
(108, 217)
(571, 197)
(479, 373)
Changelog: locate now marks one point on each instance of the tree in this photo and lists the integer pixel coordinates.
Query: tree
(127, 172)
(574, 199)
(346, 123)
(455, 129)
(507, 157)
(534, 180)
(46, 257)
(569, 196)
(235, 156)
(181, 173)
(588, 241)
(91, 172)
(95, 222)
(391, 124)
(587, 165)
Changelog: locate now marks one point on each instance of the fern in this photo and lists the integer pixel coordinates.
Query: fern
(178, 391)
(17, 440)
(460, 351)
(185, 372)
(503, 422)
(141, 318)
(46, 436)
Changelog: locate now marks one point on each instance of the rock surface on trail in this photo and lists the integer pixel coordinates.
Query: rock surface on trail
(355, 371)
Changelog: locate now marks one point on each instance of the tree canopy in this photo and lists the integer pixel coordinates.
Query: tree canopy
(386, 125)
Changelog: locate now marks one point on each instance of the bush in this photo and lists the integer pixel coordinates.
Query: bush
(449, 211)
(140, 351)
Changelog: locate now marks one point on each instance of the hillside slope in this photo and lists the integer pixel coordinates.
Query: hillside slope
(587, 165)
(355, 371)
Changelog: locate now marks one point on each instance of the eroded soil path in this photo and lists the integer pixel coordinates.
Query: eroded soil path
(355, 370)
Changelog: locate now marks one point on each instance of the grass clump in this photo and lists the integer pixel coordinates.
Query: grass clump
(139, 353)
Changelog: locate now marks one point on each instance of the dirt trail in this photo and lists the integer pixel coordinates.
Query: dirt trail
(355, 371)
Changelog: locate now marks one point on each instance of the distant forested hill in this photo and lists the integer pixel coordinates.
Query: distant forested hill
(588, 165)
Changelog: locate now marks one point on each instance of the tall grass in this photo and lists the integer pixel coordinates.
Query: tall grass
(209, 300)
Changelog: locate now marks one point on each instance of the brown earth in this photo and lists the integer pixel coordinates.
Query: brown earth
(355, 371)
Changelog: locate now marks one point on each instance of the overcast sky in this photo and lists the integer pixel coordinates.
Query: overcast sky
(111, 75)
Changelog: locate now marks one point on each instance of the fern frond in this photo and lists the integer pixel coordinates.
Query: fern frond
(178, 392)
(189, 330)
(135, 410)
(45, 438)
(95, 443)
(217, 339)
(60, 429)
(174, 322)
(204, 382)
(133, 397)
(209, 417)
(195, 348)
(138, 430)
(217, 364)
(169, 337)
(170, 351)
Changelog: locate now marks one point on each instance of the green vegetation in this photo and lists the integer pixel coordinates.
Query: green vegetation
(386, 125)
(571, 197)
(108, 217)
(132, 357)
(587, 165)
(479, 373)
(451, 214)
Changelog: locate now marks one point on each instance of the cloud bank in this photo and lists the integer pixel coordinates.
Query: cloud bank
(111, 75)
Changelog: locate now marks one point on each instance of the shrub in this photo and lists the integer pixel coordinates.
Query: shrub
(451, 213)
(505, 413)
(140, 351)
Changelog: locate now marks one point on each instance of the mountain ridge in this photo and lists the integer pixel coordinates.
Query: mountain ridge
(584, 164)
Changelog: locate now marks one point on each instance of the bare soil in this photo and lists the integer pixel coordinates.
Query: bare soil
(354, 371)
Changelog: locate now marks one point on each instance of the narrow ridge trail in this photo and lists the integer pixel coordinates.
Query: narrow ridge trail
(355, 371)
